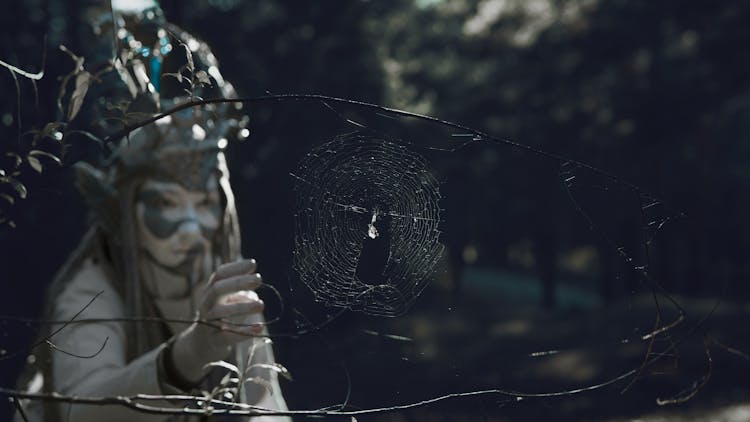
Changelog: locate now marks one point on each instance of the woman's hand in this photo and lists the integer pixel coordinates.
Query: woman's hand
(229, 302)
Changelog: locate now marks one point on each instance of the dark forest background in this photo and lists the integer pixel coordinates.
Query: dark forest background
(655, 92)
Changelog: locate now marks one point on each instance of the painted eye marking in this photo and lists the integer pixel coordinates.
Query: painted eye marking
(210, 203)
(164, 212)
(157, 205)
(166, 202)
(152, 198)
(207, 202)
(158, 224)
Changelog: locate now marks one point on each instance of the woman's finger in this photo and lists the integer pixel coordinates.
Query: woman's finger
(231, 269)
(231, 285)
(247, 330)
(239, 296)
(235, 310)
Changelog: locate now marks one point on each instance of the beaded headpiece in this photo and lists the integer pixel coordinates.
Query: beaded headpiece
(184, 147)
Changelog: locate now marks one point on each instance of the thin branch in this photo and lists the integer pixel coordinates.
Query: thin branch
(49, 337)
(317, 98)
(18, 105)
(115, 41)
(34, 76)
(679, 399)
(54, 347)
(731, 350)
(646, 355)
(134, 402)
(19, 409)
(248, 410)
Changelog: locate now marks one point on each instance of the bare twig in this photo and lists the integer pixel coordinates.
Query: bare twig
(49, 336)
(18, 105)
(34, 76)
(89, 356)
(697, 386)
(731, 350)
(394, 111)
(19, 409)
(135, 402)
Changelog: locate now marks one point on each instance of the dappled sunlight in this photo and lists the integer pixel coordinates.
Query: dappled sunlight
(731, 413)
(515, 327)
(537, 16)
(570, 366)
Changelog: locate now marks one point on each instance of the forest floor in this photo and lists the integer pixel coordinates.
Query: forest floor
(701, 365)
(470, 342)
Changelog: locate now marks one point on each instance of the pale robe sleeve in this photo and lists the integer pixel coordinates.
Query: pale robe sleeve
(264, 396)
(107, 373)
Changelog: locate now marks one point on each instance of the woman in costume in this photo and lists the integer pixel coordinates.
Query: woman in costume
(157, 292)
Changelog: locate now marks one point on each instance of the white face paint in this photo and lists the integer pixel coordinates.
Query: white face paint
(177, 225)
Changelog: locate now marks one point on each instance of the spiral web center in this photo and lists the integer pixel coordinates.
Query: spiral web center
(366, 225)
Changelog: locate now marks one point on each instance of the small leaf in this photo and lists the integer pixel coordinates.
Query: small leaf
(224, 393)
(251, 349)
(88, 135)
(50, 129)
(177, 76)
(17, 157)
(202, 77)
(262, 382)
(35, 152)
(76, 70)
(228, 378)
(83, 79)
(18, 186)
(276, 367)
(222, 364)
(79, 60)
(121, 106)
(8, 198)
(34, 163)
(189, 57)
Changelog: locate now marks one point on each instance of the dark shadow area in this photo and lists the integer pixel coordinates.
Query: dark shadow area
(376, 250)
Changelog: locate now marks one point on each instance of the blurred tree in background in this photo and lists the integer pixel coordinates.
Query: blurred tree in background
(651, 91)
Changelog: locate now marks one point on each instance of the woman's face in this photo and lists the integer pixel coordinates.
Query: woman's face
(176, 224)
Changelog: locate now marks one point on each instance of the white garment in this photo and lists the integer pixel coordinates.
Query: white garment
(108, 373)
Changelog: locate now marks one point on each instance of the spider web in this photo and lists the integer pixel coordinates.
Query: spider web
(366, 229)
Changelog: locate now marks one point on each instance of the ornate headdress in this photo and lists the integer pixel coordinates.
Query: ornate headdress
(185, 147)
